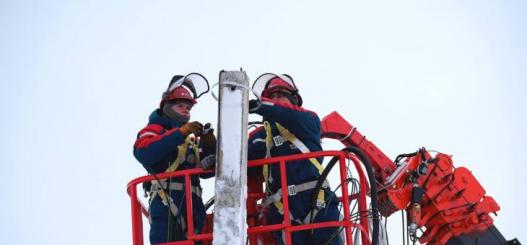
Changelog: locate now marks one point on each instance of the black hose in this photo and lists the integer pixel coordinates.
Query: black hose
(400, 156)
(373, 191)
(373, 187)
(318, 186)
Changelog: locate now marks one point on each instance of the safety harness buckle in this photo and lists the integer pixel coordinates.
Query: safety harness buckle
(321, 204)
(291, 190)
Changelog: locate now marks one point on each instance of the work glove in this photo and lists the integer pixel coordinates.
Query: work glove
(191, 128)
(254, 105)
(207, 162)
(207, 135)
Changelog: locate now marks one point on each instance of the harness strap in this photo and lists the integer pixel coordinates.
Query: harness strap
(268, 145)
(310, 216)
(307, 220)
(291, 191)
(173, 208)
(181, 154)
(156, 187)
(183, 225)
(277, 196)
(167, 201)
(299, 144)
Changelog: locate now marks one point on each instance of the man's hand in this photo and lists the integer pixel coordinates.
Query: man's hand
(207, 136)
(254, 105)
(191, 128)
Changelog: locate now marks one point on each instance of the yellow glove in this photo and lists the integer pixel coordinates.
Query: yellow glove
(191, 128)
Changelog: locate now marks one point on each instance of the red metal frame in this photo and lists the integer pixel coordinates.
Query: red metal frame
(334, 126)
(138, 209)
(454, 202)
(255, 192)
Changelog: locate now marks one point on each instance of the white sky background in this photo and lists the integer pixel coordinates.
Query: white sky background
(79, 79)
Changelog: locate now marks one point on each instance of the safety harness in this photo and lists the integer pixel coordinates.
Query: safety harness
(276, 197)
(159, 186)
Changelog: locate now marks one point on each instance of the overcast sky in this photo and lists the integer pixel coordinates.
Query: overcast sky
(79, 79)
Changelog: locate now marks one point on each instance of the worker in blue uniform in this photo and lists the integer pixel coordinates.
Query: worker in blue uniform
(170, 143)
(291, 129)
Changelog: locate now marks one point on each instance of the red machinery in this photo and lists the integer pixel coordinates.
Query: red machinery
(447, 202)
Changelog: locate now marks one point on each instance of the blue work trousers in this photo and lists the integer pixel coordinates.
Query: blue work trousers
(299, 206)
(160, 218)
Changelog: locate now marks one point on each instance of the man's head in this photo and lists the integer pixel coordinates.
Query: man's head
(176, 103)
(181, 95)
(282, 89)
(283, 96)
(178, 110)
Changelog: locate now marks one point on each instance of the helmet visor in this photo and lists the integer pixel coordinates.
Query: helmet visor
(195, 82)
(262, 82)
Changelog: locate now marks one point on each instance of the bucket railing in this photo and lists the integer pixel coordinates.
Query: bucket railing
(138, 209)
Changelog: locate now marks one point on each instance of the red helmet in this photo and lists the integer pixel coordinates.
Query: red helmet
(189, 88)
(269, 83)
(180, 93)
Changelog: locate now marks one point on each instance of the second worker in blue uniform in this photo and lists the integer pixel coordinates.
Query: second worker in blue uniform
(290, 129)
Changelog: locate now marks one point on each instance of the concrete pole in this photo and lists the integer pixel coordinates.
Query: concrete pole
(230, 213)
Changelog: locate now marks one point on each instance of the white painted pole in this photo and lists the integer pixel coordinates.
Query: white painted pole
(230, 222)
